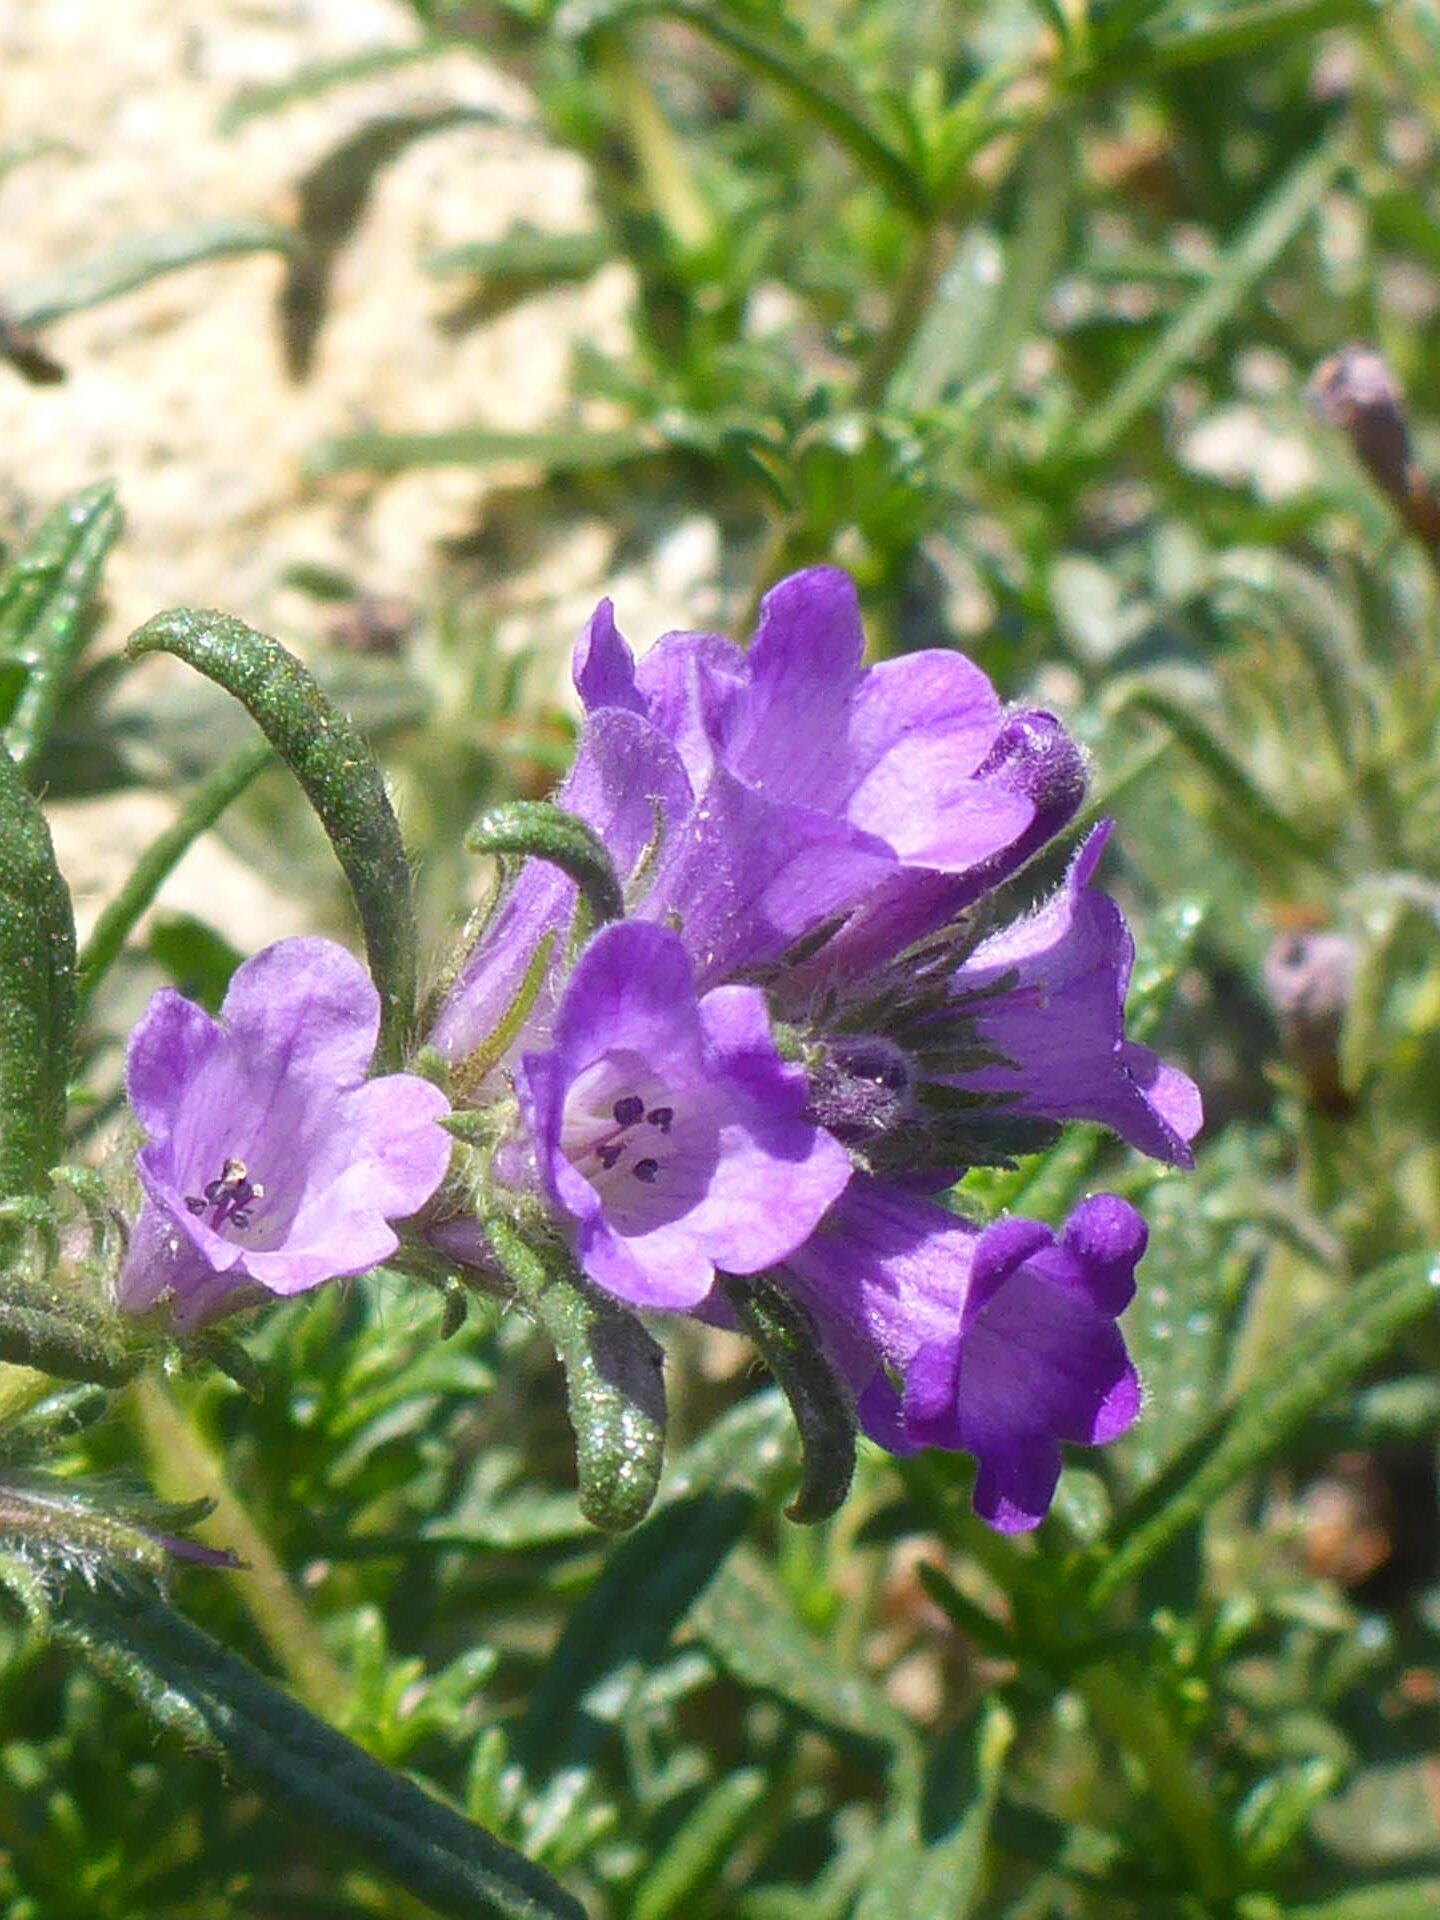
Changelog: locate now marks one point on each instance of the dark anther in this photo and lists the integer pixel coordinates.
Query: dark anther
(608, 1155)
(661, 1117)
(629, 1111)
(647, 1171)
(232, 1195)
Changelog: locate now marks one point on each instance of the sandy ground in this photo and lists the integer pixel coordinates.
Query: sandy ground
(178, 389)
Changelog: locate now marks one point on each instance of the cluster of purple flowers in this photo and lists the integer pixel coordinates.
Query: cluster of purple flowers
(808, 1024)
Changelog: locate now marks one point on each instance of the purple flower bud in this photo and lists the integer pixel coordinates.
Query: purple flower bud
(1058, 1021)
(1004, 1336)
(271, 1163)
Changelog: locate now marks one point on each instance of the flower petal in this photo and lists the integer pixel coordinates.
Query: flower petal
(1061, 1023)
(746, 878)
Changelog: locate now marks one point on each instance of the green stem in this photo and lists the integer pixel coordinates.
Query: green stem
(184, 1467)
(659, 156)
(161, 857)
(907, 313)
(1128, 1711)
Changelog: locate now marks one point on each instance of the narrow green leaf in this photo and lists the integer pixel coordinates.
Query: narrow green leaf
(253, 102)
(1387, 1900)
(134, 263)
(539, 830)
(575, 451)
(50, 1334)
(1234, 783)
(750, 1447)
(613, 1379)
(525, 253)
(1236, 31)
(748, 1624)
(38, 1007)
(341, 779)
(38, 146)
(160, 859)
(1325, 1357)
(47, 602)
(965, 1615)
(694, 1860)
(1178, 1328)
(978, 322)
(650, 1583)
(1273, 1814)
(1165, 950)
(799, 70)
(302, 1767)
(1276, 223)
(790, 1346)
(920, 1873)
(333, 195)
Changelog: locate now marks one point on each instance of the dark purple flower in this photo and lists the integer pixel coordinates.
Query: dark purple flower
(271, 1162)
(915, 757)
(667, 1129)
(1004, 1337)
(1048, 992)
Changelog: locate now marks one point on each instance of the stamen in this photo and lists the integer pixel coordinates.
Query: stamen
(609, 1154)
(647, 1171)
(231, 1196)
(661, 1117)
(629, 1111)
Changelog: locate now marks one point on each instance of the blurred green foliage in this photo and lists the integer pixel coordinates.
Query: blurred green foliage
(1010, 309)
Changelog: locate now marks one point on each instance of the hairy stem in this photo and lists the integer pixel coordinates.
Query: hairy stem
(184, 1467)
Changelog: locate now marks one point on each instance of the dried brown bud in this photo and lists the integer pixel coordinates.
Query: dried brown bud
(1356, 391)
(1310, 978)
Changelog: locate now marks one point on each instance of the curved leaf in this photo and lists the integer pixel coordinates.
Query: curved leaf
(134, 263)
(613, 1379)
(786, 1336)
(38, 1008)
(47, 604)
(304, 1768)
(341, 778)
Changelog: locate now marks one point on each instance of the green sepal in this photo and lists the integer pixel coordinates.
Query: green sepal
(65, 1525)
(314, 1775)
(37, 991)
(613, 1378)
(790, 1346)
(537, 830)
(341, 779)
(53, 1334)
(47, 600)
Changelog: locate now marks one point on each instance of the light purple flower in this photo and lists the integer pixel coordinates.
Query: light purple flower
(1060, 1022)
(271, 1162)
(915, 756)
(667, 1129)
(1004, 1337)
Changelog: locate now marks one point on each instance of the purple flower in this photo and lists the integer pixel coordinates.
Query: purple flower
(1048, 993)
(667, 1129)
(271, 1162)
(915, 757)
(1004, 1336)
